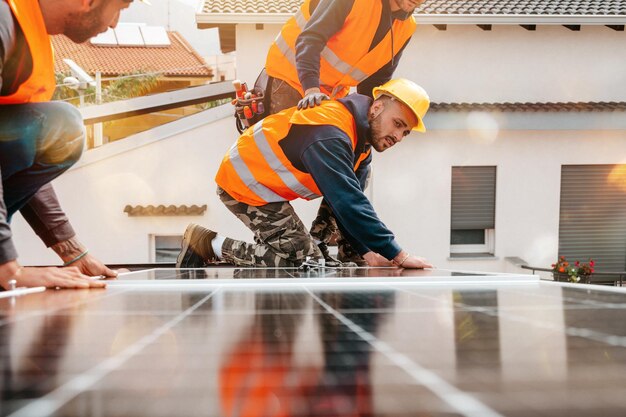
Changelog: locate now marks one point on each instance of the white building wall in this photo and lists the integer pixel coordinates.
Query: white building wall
(410, 189)
(178, 170)
(411, 183)
(508, 63)
(251, 49)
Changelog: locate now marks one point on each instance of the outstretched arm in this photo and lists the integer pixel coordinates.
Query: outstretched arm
(45, 215)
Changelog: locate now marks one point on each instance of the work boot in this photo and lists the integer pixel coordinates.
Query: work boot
(347, 254)
(331, 262)
(196, 250)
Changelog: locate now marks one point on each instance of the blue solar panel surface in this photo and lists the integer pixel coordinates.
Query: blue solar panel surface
(361, 342)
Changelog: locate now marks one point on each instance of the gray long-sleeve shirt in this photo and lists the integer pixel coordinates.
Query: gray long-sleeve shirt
(43, 212)
(328, 18)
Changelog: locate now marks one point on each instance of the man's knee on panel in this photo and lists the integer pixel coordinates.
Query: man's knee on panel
(63, 136)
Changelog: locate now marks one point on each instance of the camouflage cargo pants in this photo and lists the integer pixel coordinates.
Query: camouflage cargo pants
(324, 229)
(281, 240)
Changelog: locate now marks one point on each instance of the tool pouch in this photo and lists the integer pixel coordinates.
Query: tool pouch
(249, 111)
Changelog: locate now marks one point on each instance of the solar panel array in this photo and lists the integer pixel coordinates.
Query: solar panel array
(288, 342)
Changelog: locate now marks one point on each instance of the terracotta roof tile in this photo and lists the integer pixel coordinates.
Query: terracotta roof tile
(177, 60)
(524, 7)
(447, 7)
(162, 210)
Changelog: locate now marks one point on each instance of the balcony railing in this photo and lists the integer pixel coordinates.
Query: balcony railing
(153, 110)
(601, 278)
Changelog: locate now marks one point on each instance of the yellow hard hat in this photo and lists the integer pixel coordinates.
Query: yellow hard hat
(408, 93)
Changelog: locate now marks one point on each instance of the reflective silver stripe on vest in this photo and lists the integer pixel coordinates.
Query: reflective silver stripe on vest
(272, 160)
(342, 66)
(358, 75)
(330, 57)
(282, 43)
(248, 179)
(287, 52)
(301, 21)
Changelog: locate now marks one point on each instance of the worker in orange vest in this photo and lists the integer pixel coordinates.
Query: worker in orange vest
(39, 140)
(328, 47)
(310, 153)
(322, 51)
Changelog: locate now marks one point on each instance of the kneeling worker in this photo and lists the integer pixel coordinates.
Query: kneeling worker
(323, 151)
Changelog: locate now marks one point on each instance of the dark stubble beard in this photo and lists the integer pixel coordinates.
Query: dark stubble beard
(374, 134)
(80, 28)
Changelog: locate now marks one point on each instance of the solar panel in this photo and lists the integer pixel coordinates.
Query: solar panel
(105, 38)
(318, 342)
(155, 36)
(129, 35)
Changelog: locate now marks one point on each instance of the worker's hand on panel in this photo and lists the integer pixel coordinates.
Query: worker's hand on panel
(373, 259)
(92, 267)
(312, 97)
(49, 277)
(405, 260)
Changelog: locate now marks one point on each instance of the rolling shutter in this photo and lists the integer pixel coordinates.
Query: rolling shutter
(593, 215)
(473, 197)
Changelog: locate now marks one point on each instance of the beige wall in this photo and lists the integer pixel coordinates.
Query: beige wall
(410, 188)
(508, 63)
(411, 183)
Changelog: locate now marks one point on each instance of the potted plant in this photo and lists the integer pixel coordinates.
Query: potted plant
(583, 270)
(563, 271)
(560, 269)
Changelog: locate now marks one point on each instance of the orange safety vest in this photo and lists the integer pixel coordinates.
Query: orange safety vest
(256, 171)
(40, 85)
(346, 60)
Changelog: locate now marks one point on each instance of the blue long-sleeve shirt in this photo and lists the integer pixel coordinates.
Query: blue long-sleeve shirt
(327, 18)
(326, 153)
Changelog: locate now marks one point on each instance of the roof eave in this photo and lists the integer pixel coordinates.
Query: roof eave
(440, 19)
(498, 19)
(235, 18)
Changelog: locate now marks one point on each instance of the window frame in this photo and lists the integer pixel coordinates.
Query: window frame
(486, 248)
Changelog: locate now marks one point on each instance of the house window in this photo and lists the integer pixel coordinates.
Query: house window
(592, 218)
(473, 211)
(166, 248)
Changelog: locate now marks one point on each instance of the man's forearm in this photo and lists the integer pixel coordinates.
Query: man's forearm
(69, 249)
(45, 216)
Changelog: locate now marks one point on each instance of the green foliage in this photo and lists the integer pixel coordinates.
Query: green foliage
(121, 88)
(214, 103)
(134, 85)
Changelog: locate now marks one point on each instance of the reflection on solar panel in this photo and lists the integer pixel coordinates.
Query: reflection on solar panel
(335, 342)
